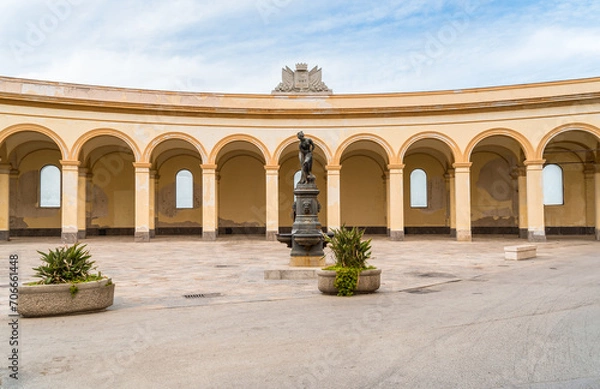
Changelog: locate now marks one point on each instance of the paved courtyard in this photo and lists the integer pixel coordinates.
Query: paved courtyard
(449, 314)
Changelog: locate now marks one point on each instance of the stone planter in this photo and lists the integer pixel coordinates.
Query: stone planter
(56, 299)
(368, 281)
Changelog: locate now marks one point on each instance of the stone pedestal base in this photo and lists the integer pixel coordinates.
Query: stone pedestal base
(597, 234)
(536, 236)
(69, 237)
(142, 236)
(306, 261)
(209, 235)
(396, 235)
(463, 235)
(81, 234)
(523, 233)
(271, 235)
(5, 235)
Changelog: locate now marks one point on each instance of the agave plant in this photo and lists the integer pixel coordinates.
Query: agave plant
(351, 254)
(66, 264)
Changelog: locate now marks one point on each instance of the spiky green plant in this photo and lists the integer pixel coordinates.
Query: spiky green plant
(348, 247)
(351, 253)
(66, 264)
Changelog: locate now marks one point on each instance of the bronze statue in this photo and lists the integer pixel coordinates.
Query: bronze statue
(306, 148)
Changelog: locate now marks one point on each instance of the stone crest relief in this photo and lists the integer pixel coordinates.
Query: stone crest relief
(301, 81)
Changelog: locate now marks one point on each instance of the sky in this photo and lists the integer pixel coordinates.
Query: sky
(240, 46)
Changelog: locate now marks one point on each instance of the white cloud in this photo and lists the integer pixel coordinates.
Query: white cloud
(241, 45)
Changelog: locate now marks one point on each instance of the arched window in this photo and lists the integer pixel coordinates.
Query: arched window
(50, 187)
(552, 180)
(297, 177)
(184, 189)
(418, 189)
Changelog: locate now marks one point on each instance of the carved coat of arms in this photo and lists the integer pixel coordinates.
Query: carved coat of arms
(302, 81)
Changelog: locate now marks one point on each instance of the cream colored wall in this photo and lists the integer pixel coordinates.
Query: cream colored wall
(363, 193)
(69, 115)
(168, 214)
(26, 212)
(437, 214)
(112, 194)
(573, 212)
(494, 196)
(242, 193)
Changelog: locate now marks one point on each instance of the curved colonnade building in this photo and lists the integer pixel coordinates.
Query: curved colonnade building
(80, 160)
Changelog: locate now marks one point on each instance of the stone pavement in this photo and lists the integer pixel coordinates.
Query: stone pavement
(160, 273)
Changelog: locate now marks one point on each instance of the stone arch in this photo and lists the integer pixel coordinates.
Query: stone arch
(521, 139)
(564, 128)
(456, 153)
(212, 159)
(318, 142)
(364, 137)
(173, 135)
(36, 128)
(107, 132)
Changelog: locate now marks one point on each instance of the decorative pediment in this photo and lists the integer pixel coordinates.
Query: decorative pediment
(302, 81)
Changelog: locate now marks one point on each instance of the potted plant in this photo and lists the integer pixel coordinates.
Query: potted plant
(351, 272)
(67, 285)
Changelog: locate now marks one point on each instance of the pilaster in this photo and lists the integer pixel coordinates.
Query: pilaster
(142, 201)
(396, 201)
(462, 182)
(536, 229)
(5, 205)
(209, 202)
(70, 201)
(333, 196)
(272, 191)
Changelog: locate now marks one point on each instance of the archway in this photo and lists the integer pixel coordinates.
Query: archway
(176, 209)
(32, 198)
(576, 154)
(241, 189)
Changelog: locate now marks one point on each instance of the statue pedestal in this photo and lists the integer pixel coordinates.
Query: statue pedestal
(306, 239)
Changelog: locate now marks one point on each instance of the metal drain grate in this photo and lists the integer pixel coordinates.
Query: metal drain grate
(201, 295)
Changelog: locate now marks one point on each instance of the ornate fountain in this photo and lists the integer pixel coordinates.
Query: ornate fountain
(306, 238)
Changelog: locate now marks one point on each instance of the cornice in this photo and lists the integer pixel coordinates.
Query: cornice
(122, 100)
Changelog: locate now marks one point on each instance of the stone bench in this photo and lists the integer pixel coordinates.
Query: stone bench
(517, 253)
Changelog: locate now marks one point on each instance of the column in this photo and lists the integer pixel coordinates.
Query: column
(536, 229)
(153, 190)
(462, 204)
(142, 201)
(81, 202)
(590, 188)
(597, 199)
(396, 201)
(333, 197)
(522, 190)
(272, 215)
(209, 202)
(70, 201)
(4, 205)
(451, 185)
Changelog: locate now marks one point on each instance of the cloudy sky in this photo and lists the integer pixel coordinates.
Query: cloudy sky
(240, 46)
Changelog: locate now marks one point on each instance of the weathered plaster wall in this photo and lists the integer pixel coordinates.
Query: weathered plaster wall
(437, 213)
(242, 192)
(112, 193)
(363, 193)
(494, 196)
(25, 209)
(168, 214)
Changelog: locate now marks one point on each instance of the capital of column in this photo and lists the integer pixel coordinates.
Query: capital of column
(272, 169)
(142, 165)
(462, 167)
(333, 169)
(208, 166)
(449, 174)
(396, 166)
(69, 165)
(534, 164)
(5, 168)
